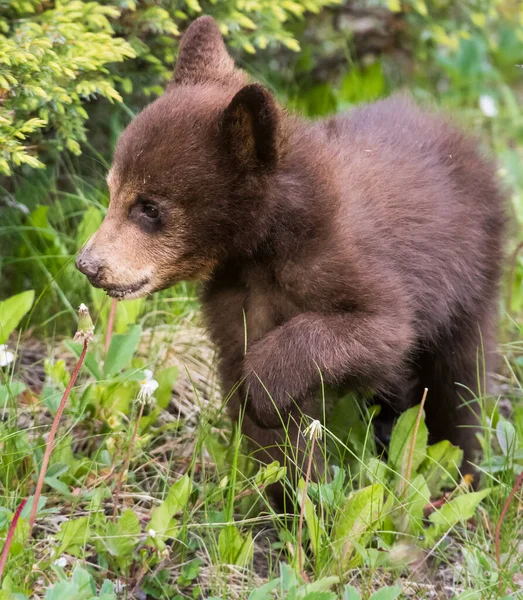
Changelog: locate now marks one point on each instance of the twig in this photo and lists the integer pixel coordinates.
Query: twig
(413, 442)
(110, 325)
(52, 434)
(125, 464)
(497, 535)
(10, 534)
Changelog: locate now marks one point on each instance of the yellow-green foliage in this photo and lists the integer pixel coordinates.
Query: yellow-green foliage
(56, 55)
(51, 60)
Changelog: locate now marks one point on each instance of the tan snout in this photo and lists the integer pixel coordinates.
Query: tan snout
(110, 261)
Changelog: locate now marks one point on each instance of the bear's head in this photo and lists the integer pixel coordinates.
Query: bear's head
(190, 177)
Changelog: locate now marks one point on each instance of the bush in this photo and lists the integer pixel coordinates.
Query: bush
(55, 56)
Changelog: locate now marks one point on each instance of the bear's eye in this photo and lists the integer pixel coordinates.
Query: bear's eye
(150, 210)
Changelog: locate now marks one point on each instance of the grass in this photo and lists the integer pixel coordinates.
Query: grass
(192, 515)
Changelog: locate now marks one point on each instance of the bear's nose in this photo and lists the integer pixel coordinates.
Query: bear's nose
(89, 266)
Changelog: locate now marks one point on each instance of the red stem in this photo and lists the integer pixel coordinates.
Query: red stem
(497, 535)
(10, 534)
(110, 325)
(52, 434)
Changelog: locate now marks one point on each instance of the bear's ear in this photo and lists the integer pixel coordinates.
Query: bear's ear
(203, 56)
(250, 128)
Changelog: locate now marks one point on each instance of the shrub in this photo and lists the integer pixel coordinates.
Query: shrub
(55, 56)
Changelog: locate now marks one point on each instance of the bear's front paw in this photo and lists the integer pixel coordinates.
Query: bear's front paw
(266, 402)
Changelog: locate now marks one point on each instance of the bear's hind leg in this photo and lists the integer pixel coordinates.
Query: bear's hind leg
(456, 375)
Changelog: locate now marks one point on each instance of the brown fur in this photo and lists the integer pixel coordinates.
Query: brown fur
(365, 247)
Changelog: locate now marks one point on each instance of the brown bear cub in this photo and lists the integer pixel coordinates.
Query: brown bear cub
(362, 250)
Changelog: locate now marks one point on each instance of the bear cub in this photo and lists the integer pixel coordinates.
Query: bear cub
(362, 250)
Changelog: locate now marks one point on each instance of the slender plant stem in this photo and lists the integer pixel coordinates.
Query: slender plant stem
(125, 465)
(10, 534)
(413, 442)
(302, 511)
(52, 434)
(110, 325)
(497, 534)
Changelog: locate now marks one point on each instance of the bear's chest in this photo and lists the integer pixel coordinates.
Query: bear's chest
(266, 305)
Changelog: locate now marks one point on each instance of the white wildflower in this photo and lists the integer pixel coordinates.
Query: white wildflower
(61, 562)
(314, 430)
(147, 388)
(488, 106)
(151, 533)
(6, 357)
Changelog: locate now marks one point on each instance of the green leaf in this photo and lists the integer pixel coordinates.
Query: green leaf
(64, 590)
(269, 474)
(321, 585)
(401, 441)
(90, 222)
(73, 536)
(316, 529)
(121, 350)
(507, 437)
(14, 389)
(441, 465)
(235, 549)
(265, 591)
(90, 361)
(388, 593)
(458, 510)
(29, 505)
(162, 522)
(12, 311)
(351, 593)
(166, 379)
(84, 582)
(123, 537)
(127, 313)
(357, 521)
(409, 515)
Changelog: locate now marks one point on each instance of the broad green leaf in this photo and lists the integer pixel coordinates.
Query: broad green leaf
(387, 593)
(121, 350)
(319, 596)
(507, 437)
(83, 581)
(127, 313)
(440, 468)
(12, 311)
(321, 585)
(73, 535)
(162, 523)
(122, 537)
(165, 378)
(401, 441)
(64, 590)
(269, 474)
(14, 389)
(316, 530)
(458, 510)
(265, 591)
(29, 505)
(357, 520)
(409, 515)
(351, 593)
